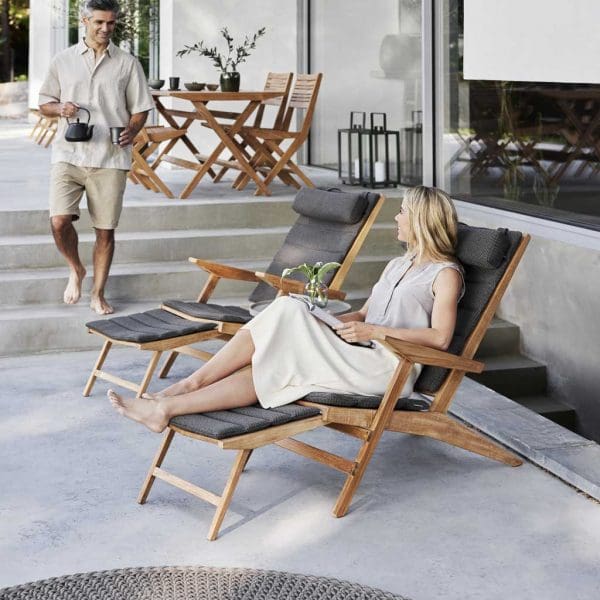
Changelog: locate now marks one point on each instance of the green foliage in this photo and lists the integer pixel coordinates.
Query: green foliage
(314, 273)
(235, 54)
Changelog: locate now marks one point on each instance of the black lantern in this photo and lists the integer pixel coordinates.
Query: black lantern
(372, 156)
(412, 149)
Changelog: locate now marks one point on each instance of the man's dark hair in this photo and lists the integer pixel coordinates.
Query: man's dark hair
(90, 5)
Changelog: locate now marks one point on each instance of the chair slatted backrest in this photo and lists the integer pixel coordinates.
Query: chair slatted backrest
(276, 82)
(304, 96)
(487, 257)
(329, 228)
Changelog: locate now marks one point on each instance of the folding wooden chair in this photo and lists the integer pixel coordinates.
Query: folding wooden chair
(490, 259)
(144, 145)
(45, 128)
(270, 157)
(331, 226)
(276, 82)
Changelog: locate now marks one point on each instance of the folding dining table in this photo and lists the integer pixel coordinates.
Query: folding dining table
(226, 133)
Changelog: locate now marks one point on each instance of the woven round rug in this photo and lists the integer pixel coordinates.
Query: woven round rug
(192, 583)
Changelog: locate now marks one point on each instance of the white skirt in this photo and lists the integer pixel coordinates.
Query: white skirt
(296, 354)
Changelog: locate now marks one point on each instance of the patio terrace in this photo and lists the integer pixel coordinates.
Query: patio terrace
(429, 521)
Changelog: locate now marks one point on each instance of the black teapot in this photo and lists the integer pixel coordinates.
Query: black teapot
(79, 132)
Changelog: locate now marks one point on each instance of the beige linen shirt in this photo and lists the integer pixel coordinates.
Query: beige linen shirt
(112, 88)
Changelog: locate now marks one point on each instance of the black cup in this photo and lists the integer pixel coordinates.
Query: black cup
(173, 83)
(115, 132)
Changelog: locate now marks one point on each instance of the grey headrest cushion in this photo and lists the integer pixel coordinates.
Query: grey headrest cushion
(482, 247)
(338, 207)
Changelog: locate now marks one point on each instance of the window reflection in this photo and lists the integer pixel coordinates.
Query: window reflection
(533, 147)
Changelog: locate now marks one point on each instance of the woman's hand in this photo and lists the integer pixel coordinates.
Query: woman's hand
(357, 331)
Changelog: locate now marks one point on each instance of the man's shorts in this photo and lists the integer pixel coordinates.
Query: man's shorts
(103, 188)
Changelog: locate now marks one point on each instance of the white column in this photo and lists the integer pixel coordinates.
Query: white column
(48, 34)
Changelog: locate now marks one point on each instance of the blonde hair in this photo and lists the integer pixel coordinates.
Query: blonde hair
(432, 223)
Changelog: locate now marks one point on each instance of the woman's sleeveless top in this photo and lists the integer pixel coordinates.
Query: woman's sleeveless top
(403, 298)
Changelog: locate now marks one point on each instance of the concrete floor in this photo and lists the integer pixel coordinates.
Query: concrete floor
(428, 521)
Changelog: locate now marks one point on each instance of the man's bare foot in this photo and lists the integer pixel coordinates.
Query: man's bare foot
(100, 305)
(73, 290)
(146, 411)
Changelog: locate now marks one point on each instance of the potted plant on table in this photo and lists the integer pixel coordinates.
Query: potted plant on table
(226, 63)
(315, 289)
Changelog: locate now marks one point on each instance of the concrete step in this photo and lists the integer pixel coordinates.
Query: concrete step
(551, 408)
(501, 337)
(176, 279)
(179, 214)
(39, 251)
(513, 375)
(56, 328)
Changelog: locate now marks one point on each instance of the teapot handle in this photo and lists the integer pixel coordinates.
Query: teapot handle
(87, 111)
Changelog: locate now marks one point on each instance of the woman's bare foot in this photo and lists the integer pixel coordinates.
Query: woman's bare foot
(100, 305)
(73, 290)
(146, 411)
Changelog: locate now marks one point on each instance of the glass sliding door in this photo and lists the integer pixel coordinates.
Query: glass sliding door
(370, 57)
(523, 146)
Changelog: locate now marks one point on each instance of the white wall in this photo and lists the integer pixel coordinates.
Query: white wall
(48, 34)
(553, 298)
(532, 40)
(187, 22)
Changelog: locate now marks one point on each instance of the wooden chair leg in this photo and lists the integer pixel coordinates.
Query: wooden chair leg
(101, 358)
(234, 476)
(149, 372)
(156, 463)
(168, 364)
(369, 446)
(247, 459)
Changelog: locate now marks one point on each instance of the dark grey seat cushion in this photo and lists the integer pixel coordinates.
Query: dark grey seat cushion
(326, 205)
(202, 310)
(150, 326)
(481, 279)
(358, 401)
(228, 423)
(314, 239)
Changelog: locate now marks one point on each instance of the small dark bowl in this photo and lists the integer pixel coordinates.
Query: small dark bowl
(194, 86)
(156, 84)
(212, 87)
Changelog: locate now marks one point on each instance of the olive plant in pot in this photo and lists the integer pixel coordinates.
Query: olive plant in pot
(316, 289)
(226, 63)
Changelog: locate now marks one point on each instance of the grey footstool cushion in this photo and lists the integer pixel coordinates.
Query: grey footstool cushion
(202, 310)
(150, 326)
(228, 423)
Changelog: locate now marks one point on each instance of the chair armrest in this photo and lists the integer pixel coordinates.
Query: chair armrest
(431, 356)
(292, 286)
(224, 271)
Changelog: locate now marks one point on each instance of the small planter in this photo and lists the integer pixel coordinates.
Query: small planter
(230, 82)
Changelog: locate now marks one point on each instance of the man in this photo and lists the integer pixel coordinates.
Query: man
(96, 75)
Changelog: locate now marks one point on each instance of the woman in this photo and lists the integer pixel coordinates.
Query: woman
(284, 353)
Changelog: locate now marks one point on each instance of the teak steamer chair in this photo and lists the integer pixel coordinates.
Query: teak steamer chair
(490, 259)
(331, 226)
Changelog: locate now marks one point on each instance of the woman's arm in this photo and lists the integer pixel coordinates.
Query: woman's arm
(357, 315)
(446, 288)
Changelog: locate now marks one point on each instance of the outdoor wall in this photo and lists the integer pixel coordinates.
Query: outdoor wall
(186, 22)
(47, 36)
(553, 298)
